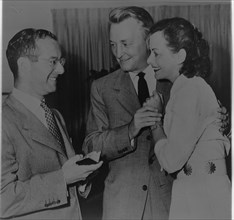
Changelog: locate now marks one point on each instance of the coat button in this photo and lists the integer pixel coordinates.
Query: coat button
(144, 187)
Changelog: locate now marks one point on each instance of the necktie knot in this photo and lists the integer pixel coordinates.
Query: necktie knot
(141, 75)
(44, 105)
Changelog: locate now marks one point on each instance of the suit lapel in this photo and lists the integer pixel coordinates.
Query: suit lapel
(32, 126)
(126, 93)
(67, 144)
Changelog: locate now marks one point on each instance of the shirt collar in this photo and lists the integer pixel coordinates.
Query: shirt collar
(147, 70)
(29, 101)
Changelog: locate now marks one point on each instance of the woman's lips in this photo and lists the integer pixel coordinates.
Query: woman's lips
(156, 69)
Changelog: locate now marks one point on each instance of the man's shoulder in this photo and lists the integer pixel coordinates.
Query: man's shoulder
(12, 110)
(6, 107)
(9, 115)
(110, 78)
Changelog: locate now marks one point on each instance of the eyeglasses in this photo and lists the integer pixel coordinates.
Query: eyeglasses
(54, 61)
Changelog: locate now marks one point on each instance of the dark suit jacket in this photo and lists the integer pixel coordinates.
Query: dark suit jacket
(32, 183)
(131, 176)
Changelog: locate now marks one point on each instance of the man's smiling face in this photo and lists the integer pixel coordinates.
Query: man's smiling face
(128, 45)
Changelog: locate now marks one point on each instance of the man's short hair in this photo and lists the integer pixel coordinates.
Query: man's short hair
(23, 44)
(120, 14)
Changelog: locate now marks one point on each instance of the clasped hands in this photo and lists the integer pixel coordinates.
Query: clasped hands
(149, 114)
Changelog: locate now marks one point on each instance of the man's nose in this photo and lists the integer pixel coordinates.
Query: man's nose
(59, 68)
(119, 51)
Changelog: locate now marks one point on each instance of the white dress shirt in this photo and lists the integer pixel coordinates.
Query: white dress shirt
(151, 82)
(149, 77)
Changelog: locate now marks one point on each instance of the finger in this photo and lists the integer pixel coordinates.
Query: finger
(93, 166)
(221, 130)
(224, 110)
(222, 125)
(80, 156)
(148, 124)
(149, 114)
(75, 158)
(154, 92)
(219, 103)
(146, 108)
(147, 99)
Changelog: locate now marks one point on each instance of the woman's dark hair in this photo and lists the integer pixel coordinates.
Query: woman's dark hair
(181, 34)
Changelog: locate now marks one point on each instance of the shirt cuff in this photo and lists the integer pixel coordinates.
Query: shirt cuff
(132, 142)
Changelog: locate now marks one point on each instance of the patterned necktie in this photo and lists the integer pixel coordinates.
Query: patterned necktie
(143, 91)
(53, 127)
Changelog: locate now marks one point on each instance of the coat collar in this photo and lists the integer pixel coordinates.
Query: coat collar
(127, 95)
(32, 126)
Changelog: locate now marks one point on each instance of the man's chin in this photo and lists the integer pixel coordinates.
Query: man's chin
(126, 68)
(52, 88)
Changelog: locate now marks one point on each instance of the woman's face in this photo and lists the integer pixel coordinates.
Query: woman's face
(166, 64)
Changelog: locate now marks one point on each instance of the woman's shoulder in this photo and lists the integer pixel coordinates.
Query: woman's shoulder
(204, 91)
(198, 84)
(195, 88)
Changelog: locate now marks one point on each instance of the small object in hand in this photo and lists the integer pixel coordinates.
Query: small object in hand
(91, 158)
(86, 161)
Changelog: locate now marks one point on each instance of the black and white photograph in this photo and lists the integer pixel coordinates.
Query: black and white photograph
(116, 110)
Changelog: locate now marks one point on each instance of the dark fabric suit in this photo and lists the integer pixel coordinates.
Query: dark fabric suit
(132, 180)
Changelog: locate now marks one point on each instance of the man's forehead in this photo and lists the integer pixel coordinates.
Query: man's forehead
(42, 42)
(47, 45)
(125, 30)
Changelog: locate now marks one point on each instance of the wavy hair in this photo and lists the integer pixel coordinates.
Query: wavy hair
(120, 14)
(181, 34)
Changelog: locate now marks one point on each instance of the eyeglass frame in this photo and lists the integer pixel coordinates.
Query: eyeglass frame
(52, 61)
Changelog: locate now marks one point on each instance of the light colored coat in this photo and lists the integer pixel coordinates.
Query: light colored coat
(131, 177)
(32, 183)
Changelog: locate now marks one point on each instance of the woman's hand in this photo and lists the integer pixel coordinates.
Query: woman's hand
(155, 101)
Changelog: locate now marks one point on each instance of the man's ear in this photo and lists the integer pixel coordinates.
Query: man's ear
(181, 56)
(24, 65)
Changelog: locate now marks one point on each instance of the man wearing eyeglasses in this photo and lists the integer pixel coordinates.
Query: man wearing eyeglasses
(39, 175)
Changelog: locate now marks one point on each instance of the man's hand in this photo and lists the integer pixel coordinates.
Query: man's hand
(155, 101)
(144, 117)
(73, 172)
(223, 117)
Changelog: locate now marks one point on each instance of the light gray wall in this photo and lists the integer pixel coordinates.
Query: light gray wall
(18, 15)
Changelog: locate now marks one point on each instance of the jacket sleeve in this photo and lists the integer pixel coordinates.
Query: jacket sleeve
(112, 142)
(35, 193)
(181, 124)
